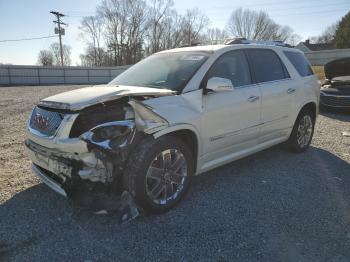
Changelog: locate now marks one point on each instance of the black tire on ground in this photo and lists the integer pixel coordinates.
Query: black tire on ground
(139, 163)
(292, 143)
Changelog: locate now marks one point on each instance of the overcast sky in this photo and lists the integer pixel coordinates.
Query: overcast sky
(31, 18)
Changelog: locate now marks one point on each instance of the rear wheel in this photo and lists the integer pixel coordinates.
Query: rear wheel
(159, 172)
(302, 132)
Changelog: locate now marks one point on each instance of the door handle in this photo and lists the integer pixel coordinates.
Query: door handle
(252, 99)
(290, 90)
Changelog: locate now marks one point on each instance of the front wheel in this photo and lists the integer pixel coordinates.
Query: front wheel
(302, 132)
(159, 172)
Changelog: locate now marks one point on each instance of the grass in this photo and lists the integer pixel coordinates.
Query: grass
(319, 71)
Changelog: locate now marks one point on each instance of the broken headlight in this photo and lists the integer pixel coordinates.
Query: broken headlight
(110, 135)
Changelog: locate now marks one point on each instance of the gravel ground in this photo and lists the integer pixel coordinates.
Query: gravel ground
(272, 206)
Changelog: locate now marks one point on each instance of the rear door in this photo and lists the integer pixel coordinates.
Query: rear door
(277, 93)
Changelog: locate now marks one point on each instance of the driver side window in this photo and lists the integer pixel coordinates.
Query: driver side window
(233, 66)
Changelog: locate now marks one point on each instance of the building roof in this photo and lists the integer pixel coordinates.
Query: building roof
(319, 47)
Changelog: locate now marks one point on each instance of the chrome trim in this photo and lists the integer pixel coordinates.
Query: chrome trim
(214, 138)
(39, 134)
(275, 120)
(262, 83)
(48, 181)
(328, 105)
(325, 94)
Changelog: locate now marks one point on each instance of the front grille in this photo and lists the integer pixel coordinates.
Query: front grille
(44, 121)
(340, 101)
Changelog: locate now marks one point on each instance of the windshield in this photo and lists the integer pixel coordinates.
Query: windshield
(164, 70)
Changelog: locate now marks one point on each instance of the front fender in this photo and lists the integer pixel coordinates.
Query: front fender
(179, 127)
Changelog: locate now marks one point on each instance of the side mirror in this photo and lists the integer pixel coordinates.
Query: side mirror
(218, 84)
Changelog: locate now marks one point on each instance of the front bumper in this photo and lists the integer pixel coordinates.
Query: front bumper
(51, 183)
(54, 167)
(333, 100)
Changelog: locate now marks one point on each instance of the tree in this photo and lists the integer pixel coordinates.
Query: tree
(342, 34)
(327, 36)
(89, 58)
(215, 36)
(91, 27)
(125, 23)
(257, 26)
(55, 51)
(159, 25)
(45, 58)
(193, 23)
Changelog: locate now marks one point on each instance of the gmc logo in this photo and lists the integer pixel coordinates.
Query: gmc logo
(40, 121)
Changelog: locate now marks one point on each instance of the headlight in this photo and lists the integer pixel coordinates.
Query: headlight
(110, 135)
(107, 133)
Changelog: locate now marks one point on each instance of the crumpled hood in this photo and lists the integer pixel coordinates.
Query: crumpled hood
(338, 67)
(80, 98)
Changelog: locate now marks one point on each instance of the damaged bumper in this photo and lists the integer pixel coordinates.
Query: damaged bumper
(51, 183)
(89, 167)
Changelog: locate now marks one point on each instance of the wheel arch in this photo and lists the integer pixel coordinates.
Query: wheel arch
(310, 105)
(188, 134)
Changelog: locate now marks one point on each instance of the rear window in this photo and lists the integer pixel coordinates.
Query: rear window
(267, 65)
(300, 63)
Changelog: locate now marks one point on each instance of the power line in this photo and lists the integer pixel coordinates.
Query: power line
(278, 3)
(60, 30)
(27, 39)
(303, 6)
(310, 13)
(307, 6)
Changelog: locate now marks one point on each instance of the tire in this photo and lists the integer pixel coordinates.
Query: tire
(152, 166)
(295, 143)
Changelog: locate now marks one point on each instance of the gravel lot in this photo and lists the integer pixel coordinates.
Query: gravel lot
(272, 206)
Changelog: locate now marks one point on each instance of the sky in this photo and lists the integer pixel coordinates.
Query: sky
(31, 18)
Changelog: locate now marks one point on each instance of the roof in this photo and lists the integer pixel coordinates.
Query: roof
(213, 48)
(319, 47)
(203, 48)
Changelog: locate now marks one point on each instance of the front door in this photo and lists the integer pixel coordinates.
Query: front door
(231, 119)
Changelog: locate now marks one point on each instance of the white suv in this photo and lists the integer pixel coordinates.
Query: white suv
(176, 114)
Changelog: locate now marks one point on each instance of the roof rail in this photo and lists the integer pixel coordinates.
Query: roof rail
(258, 42)
(192, 44)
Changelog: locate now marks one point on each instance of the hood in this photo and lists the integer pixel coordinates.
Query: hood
(80, 98)
(336, 68)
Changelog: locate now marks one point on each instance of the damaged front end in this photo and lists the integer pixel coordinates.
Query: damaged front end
(94, 179)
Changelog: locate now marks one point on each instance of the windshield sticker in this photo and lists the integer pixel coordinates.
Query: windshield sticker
(192, 57)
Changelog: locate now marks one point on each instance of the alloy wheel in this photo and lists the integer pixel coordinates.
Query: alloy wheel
(304, 131)
(166, 176)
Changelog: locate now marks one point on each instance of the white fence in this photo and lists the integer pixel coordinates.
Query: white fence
(323, 57)
(11, 75)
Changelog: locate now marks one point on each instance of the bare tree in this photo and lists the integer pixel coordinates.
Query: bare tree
(193, 24)
(215, 36)
(45, 58)
(257, 26)
(89, 59)
(91, 27)
(159, 24)
(327, 36)
(125, 23)
(55, 51)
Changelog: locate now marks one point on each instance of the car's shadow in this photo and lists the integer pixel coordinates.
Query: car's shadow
(273, 205)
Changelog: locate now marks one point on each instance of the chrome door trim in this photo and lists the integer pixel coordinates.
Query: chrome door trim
(228, 134)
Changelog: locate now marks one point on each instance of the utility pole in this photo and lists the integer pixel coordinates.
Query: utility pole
(60, 30)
